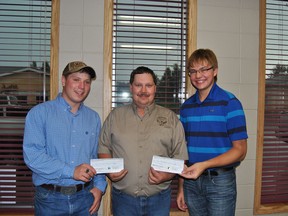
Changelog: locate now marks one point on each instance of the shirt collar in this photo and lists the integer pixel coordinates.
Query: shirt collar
(149, 109)
(65, 104)
(210, 96)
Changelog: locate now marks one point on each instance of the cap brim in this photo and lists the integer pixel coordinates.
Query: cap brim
(91, 71)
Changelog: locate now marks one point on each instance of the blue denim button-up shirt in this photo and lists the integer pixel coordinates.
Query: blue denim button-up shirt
(57, 140)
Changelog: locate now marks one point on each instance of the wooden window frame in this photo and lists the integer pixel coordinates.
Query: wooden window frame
(107, 78)
(258, 207)
(54, 55)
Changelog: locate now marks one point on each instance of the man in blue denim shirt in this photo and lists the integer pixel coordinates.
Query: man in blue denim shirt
(60, 138)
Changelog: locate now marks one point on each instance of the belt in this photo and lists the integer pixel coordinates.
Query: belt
(67, 190)
(217, 171)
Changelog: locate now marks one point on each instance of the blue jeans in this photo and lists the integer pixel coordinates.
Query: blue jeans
(127, 205)
(211, 195)
(48, 203)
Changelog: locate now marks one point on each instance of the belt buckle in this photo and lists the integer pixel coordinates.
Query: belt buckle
(68, 190)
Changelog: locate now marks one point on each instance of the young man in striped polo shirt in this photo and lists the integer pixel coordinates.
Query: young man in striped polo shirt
(216, 135)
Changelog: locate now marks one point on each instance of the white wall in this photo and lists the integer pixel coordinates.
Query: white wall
(229, 27)
(81, 38)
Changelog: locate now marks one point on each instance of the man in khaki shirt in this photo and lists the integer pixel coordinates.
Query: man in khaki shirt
(136, 132)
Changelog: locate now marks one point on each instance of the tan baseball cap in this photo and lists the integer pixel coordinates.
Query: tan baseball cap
(77, 66)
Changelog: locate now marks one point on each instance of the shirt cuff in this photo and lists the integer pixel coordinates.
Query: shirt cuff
(100, 182)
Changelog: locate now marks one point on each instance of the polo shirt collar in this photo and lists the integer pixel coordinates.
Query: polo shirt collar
(210, 96)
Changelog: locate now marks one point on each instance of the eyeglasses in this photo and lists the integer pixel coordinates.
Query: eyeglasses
(201, 71)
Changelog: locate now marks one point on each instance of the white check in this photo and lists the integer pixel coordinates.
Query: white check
(166, 164)
(107, 165)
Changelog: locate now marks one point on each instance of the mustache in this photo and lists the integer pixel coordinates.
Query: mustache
(143, 95)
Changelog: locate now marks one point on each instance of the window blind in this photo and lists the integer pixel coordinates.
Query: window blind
(153, 34)
(275, 143)
(150, 33)
(24, 82)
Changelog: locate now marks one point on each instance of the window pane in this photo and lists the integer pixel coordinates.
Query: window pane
(24, 82)
(275, 142)
(152, 34)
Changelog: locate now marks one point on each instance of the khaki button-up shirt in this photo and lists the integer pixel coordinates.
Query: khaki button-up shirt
(126, 135)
